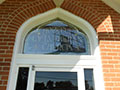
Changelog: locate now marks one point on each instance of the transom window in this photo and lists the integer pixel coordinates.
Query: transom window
(56, 37)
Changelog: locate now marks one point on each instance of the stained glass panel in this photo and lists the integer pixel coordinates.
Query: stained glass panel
(56, 38)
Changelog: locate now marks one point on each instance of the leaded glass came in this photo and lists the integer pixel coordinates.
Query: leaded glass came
(56, 37)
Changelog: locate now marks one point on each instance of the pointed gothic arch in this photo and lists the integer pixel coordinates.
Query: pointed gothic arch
(91, 61)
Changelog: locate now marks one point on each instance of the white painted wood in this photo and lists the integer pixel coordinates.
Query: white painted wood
(81, 79)
(63, 60)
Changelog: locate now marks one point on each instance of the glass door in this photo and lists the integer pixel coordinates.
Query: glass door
(57, 78)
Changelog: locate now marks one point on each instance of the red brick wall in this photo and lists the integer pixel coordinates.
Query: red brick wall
(13, 13)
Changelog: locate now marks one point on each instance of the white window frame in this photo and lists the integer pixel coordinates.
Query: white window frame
(78, 69)
(82, 61)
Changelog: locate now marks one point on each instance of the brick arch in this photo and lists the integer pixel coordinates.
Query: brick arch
(12, 6)
(23, 13)
(82, 10)
(94, 15)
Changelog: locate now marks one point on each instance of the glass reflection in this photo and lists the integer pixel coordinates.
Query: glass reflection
(22, 78)
(89, 80)
(56, 38)
(56, 81)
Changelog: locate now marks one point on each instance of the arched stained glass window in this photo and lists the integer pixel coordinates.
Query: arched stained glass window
(56, 37)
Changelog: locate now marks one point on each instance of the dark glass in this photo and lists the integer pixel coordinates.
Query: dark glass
(55, 38)
(22, 78)
(56, 81)
(89, 80)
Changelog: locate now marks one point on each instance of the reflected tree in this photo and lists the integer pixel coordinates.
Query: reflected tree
(87, 86)
(59, 85)
(50, 85)
(39, 86)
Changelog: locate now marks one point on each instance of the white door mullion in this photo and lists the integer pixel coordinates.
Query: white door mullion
(31, 79)
(81, 83)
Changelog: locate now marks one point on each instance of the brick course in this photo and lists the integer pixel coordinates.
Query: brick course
(106, 21)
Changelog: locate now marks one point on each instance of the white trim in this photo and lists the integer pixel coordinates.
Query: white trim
(30, 78)
(58, 2)
(93, 60)
(79, 70)
(63, 60)
(1, 1)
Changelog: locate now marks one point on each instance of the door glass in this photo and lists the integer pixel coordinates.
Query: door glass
(22, 78)
(56, 81)
(89, 80)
